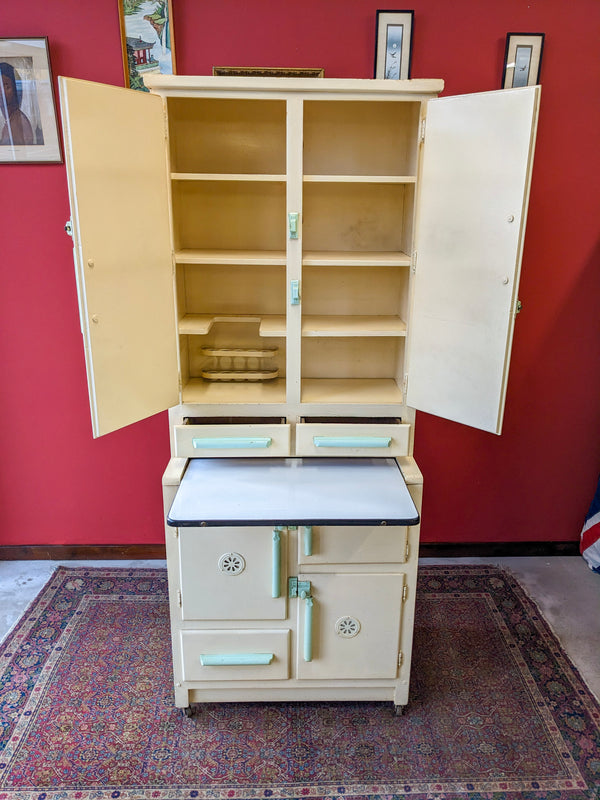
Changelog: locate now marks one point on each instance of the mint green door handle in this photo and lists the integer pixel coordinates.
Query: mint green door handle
(352, 441)
(276, 565)
(308, 625)
(293, 218)
(294, 293)
(231, 442)
(235, 659)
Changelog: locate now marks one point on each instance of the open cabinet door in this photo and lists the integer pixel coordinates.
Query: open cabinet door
(476, 171)
(116, 166)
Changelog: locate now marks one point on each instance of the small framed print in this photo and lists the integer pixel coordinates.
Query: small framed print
(522, 59)
(28, 126)
(146, 39)
(393, 43)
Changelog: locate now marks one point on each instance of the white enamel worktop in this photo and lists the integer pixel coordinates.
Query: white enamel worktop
(292, 491)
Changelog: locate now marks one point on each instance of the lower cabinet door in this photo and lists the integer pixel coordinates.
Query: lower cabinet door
(350, 626)
(232, 573)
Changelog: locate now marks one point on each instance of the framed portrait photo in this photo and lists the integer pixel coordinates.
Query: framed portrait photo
(28, 125)
(393, 44)
(146, 39)
(522, 59)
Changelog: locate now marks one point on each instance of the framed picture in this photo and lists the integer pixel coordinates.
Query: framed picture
(270, 72)
(522, 59)
(28, 126)
(146, 39)
(393, 42)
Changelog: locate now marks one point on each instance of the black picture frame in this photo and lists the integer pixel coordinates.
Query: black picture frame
(522, 60)
(393, 44)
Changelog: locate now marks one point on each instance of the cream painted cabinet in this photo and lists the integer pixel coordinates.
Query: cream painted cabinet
(292, 267)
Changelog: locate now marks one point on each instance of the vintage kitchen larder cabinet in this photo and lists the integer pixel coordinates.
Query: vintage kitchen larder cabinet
(292, 267)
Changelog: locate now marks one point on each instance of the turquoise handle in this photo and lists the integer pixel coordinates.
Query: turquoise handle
(293, 218)
(276, 581)
(232, 442)
(235, 659)
(294, 293)
(308, 540)
(308, 626)
(352, 441)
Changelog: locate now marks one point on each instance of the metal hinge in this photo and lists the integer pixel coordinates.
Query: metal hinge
(414, 262)
(518, 307)
(404, 593)
(69, 227)
(422, 132)
(166, 123)
(407, 550)
(179, 600)
(405, 385)
(400, 658)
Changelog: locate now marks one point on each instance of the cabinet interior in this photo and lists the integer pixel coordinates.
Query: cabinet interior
(236, 173)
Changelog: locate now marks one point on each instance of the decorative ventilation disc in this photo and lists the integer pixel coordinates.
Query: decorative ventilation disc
(347, 627)
(232, 563)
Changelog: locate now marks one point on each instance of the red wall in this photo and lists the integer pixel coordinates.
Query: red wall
(59, 486)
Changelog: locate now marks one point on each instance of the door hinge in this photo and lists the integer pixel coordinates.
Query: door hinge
(404, 592)
(166, 123)
(414, 262)
(400, 658)
(405, 386)
(407, 550)
(518, 307)
(422, 131)
(69, 228)
(179, 599)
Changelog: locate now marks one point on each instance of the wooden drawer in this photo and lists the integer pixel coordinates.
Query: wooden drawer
(216, 440)
(235, 655)
(372, 439)
(351, 544)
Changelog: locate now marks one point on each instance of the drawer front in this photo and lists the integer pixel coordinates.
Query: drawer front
(226, 441)
(352, 544)
(349, 439)
(235, 655)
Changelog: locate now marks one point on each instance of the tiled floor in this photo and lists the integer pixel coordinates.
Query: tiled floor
(566, 590)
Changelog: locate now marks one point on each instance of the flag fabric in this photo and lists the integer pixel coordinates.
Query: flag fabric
(590, 534)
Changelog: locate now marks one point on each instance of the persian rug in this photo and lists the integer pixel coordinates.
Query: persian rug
(497, 711)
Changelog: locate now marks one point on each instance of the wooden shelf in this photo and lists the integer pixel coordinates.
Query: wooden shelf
(249, 257)
(200, 391)
(200, 324)
(353, 326)
(359, 179)
(226, 176)
(343, 258)
(369, 391)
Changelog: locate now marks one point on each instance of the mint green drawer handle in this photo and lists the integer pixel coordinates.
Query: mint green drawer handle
(308, 540)
(235, 659)
(276, 567)
(352, 441)
(232, 442)
(308, 625)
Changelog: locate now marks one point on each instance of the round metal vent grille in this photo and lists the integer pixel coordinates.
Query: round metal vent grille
(232, 563)
(347, 627)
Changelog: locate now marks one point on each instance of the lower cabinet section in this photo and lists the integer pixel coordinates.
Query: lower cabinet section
(291, 613)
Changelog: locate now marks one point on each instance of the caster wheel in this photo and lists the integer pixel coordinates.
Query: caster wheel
(399, 710)
(187, 712)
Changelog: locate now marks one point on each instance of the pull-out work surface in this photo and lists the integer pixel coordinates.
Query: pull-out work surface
(292, 491)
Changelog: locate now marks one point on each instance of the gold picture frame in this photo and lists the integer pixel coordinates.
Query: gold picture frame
(28, 123)
(270, 72)
(146, 40)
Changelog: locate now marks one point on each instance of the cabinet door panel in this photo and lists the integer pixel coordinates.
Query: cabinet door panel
(470, 227)
(228, 573)
(116, 165)
(355, 626)
(354, 544)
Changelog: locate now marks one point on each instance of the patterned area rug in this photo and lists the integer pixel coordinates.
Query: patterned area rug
(497, 711)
